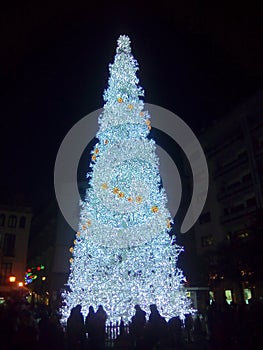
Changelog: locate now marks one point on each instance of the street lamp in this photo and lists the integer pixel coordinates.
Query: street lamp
(12, 279)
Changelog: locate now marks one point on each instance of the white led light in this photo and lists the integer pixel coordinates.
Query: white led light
(123, 254)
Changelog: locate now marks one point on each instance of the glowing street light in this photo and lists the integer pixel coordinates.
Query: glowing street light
(12, 279)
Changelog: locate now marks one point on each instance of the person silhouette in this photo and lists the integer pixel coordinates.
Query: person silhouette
(175, 332)
(90, 327)
(100, 319)
(76, 329)
(138, 324)
(189, 323)
(157, 325)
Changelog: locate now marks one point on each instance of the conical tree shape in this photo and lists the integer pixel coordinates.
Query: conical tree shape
(123, 254)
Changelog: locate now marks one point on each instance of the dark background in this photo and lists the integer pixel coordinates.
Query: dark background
(199, 60)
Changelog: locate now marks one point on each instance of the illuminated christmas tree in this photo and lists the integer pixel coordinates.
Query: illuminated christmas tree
(123, 254)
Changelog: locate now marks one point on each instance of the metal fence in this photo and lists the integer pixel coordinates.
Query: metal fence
(113, 330)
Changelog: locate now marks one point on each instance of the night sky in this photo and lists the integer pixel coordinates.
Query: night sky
(199, 60)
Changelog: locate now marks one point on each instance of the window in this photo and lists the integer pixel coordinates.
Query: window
(237, 208)
(242, 154)
(22, 222)
(226, 211)
(251, 202)
(228, 296)
(229, 235)
(204, 218)
(234, 185)
(211, 297)
(247, 178)
(207, 241)
(1, 240)
(6, 270)
(242, 235)
(12, 221)
(247, 295)
(9, 245)
(2, 220)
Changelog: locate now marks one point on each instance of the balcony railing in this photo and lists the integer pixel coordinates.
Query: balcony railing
(242, 187)
(230, 166)
(239, 214)
(212, 151)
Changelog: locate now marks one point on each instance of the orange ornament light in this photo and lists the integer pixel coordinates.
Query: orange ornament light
(115, 190)
(168, 223)
(138, 199)
(104, 186)
(155, 209)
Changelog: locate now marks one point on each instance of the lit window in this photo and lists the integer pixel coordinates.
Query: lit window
(243, 235)
(228, 235)
(207, 241)
(211, 297)
(247, 295)
(228, 295)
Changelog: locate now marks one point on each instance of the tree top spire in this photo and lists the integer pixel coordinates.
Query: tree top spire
(124, 44)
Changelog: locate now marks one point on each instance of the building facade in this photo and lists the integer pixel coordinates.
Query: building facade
(15, 223)
(228, 224)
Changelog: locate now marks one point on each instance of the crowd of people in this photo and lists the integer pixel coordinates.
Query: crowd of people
(89, 333)
(36, 326)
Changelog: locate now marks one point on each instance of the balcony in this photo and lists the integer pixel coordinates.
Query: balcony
(231, 166)
(239, 188)
(258, 151)
(255, 121)
(237, 135)
(242, 213)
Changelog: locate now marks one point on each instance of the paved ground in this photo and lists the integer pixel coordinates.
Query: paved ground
(200, 345)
